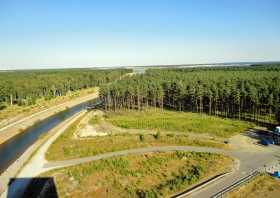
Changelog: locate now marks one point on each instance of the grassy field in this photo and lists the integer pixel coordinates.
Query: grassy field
(149, 175)
(66, 146)
(14, 110)
(164, 120)
(260, 187)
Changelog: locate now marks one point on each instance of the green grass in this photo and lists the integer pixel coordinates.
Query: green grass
(147, 175)
(66, 147)
(164, 120)
(95, 120)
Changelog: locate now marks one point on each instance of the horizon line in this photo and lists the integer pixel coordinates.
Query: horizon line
(152, 65)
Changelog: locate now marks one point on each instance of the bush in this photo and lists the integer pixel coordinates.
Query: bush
(157, 135)
(141, 137)
(2, 106)
(147, 194)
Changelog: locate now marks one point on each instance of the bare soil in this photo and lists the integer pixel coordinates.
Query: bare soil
(242, 142)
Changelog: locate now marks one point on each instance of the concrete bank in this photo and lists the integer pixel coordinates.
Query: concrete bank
(18, 166)
(19, 126)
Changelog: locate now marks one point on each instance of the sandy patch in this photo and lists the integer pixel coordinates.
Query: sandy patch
(245, 143)
(89, 131)
(86, 129)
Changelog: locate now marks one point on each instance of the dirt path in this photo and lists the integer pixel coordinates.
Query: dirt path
(59, 164)
(38, 163)
(249, 157)
(17, 127)
(103, 127)
(248, 161)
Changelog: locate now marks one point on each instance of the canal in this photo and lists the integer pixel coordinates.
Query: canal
(16, 146)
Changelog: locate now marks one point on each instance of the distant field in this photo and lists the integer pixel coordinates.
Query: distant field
(260, 187)
(66, 146)
(149, 175)
(157, 119)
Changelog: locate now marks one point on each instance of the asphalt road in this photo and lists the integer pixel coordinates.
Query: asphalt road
(248, 162)
(65, 163)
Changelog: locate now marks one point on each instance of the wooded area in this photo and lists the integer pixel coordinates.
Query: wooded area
(25, 87)
(251, 93)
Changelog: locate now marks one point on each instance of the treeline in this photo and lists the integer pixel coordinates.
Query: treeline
(238, 92)
(25, 87)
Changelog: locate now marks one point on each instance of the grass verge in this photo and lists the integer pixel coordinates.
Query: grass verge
(67, 147)
(11, 111)
(147, 175)
(262, 186)
(165, 120)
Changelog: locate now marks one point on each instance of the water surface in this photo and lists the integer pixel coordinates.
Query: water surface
(11, 150)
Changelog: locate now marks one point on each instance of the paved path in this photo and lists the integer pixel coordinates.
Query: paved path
(64, 163)
(248, 162)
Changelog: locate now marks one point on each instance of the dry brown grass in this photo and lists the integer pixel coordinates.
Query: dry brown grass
(263, 186)
(67, 147)
(152, 174)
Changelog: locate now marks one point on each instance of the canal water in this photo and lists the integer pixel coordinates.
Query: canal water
(13, 148)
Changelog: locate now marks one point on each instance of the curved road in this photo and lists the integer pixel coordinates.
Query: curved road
(248, 162)
(71, 162)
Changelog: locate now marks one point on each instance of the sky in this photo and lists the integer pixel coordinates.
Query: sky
(90, 33)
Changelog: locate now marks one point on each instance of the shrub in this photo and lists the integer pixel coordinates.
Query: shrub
(95, 120)
(141, 137)
(2, 106)
(157, 135)
(146, 194)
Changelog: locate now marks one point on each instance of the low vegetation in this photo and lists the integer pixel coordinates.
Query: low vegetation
(163, 128)
(157, 119)
(260, 187)
(147, 175)
(67, 147)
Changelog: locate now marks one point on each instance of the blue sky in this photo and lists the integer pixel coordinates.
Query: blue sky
(88, 33)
